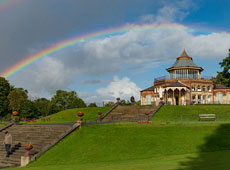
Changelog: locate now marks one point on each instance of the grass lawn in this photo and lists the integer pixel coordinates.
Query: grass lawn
(190, 114)
(70, 115)
(140, 146)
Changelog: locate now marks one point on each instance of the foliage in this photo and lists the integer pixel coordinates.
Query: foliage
(43, 106)
(109, 104)
(16, 98)
(28, 111)
(223, 77)
(125, 103)
(67, 100)
(4, 91)
(138, 103)
(92, 105)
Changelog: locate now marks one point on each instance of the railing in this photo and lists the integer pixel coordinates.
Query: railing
(163, 78)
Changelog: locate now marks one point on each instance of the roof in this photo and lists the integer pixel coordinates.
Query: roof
(148, 89)
(184, 55)
(184, 60)
(184, 63)
(176, 84)
(220, 86)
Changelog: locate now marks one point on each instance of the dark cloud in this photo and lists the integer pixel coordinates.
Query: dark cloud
(92, 82)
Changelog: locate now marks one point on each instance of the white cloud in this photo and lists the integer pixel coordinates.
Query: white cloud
(123, 88)
(113, 54)
(139, 50)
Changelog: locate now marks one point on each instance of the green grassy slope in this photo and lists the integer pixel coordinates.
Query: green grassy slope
(191, 113)
(140, 146)
(70, 115)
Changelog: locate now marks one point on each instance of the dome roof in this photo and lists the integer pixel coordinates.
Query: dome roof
(184, 60)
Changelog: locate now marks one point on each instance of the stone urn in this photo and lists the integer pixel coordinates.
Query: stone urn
(147, 114)
(15, 114)
(80, 114)
(99, 116)
(28, 147)
(118, 99)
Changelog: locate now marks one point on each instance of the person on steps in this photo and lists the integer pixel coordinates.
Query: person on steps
(7, 142)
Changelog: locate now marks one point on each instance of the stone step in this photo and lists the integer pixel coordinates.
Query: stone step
(39, 136)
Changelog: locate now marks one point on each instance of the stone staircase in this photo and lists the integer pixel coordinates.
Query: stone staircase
(129, 113)
(39, 136)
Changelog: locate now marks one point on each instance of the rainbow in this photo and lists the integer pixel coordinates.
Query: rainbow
(5, 4)
(84, 38)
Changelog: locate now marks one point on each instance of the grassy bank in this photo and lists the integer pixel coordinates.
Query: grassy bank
(138, 146)
(70, 115)
(190, 114)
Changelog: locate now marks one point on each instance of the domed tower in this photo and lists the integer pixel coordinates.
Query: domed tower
(184, 68)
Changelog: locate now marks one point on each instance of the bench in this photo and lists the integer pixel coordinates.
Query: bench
(207, 116)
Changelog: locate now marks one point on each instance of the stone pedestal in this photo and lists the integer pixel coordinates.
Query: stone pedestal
(25, 160)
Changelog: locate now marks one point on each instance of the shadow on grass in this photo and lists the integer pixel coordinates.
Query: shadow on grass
(214, 154)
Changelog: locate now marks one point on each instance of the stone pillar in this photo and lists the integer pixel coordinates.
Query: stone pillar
(173, 97)
(179, 101)
(167, 96)
(25, 160)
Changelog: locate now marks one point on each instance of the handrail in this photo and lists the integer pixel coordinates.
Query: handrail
(106, 114)
(5, 127)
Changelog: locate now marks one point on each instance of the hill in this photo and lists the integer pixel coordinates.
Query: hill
(190, 114)
(140, 146)
(70, 115)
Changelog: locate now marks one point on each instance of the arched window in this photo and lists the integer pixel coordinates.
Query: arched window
(228, 98)
(219, 96)
(148, 99)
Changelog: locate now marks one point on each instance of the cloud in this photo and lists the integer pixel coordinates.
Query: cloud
(123, 88)
(137, 50)
(92, 82)
(134, 50)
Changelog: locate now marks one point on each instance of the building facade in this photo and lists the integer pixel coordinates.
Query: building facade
(185, 86)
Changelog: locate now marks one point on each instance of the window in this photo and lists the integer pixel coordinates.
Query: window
(148, 99)
(198, 88)
(204, 88)
(204, 99)
(209, 89)
(209, 99)
(219, 98)
(199, 99)
(194, 98)
(194, 88)
(228, 98)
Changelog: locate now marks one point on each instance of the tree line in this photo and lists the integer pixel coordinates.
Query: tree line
(16, 99)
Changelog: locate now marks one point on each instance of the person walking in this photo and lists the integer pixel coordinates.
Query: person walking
(7, 142)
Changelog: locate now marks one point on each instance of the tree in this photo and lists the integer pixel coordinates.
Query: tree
(223, 77)
(28, 110)
(109, 104)
(4, 92)
(67, 100)
(43, 106)
(92, 105)
(16, 98)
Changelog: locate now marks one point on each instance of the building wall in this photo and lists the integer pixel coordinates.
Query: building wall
(201, 95)
(143, 97)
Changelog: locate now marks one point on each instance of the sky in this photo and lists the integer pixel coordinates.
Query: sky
(113, 66)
